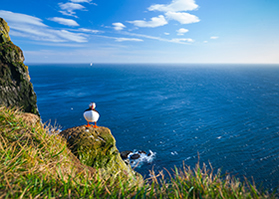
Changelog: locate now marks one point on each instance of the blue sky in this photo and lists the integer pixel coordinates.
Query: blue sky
(145, 31)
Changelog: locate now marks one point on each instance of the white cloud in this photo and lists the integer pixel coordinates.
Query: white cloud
(63, 21)
(214, 37)
(175, 6)
(155, 22)
(81, 1)
(183, 18)
(89, 30)
(21, 18)
(182, 31)
(32, 27)
(68, 14)
(34, 33)
(173, 11)
(127, 39)
(179, 40)
(166, 33)
(121, 39)
(68, 8)
(118, 26)
(49, 35)
(144, 36)
(76, 37)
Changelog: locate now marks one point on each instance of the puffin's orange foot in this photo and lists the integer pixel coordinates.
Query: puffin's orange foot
(88, 125)
(95, 125)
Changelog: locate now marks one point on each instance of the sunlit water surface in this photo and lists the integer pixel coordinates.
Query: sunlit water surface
(228, 114)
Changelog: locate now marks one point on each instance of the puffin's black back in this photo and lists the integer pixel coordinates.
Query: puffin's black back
(89, 109)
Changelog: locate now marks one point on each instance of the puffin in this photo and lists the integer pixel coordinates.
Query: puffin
(91, 115)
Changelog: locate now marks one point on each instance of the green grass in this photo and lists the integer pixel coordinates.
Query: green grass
(37, 164)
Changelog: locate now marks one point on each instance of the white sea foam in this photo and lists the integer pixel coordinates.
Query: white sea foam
(174, 153)
(188, 158)
(144, 158)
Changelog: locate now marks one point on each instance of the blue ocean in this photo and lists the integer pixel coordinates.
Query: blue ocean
(223, 115)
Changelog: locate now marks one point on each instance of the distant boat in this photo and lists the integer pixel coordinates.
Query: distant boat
(91, 64)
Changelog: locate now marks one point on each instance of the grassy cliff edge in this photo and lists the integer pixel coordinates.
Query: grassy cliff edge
(37, 164)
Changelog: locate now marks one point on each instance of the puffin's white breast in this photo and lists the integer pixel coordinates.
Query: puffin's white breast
(91, 116)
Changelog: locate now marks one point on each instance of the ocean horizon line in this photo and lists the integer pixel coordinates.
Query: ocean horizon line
(162, 64)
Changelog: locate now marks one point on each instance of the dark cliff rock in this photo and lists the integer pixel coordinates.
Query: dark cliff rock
(96, 147)
(16, 90)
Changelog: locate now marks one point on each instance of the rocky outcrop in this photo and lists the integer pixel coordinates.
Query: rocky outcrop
(96, 147)
(16, 90)
(4, 31)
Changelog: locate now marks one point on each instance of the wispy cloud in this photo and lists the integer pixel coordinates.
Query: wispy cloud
(155, 22)
(182, 31)
(21, 18)
(81, 1)
(181, 17)
(180, 40)
(144, 36)
(70, 36)
(68, 8)
(176, 40)
(175, 6)
(214, 37)
(118, 26)
(47, 34)
(127, 39)
(63, 21)
(89, 30)
(120, 39)
(32, 27)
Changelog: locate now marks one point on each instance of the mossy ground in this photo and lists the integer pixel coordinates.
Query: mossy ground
(96, 147)
(35, 163)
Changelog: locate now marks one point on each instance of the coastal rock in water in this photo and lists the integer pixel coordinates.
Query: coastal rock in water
(131, 155)
(96, 147)
(135, 156)
(124, 154)
(140, 151)
(16, 90)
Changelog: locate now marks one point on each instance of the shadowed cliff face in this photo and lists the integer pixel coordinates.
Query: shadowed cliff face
(15, 86)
